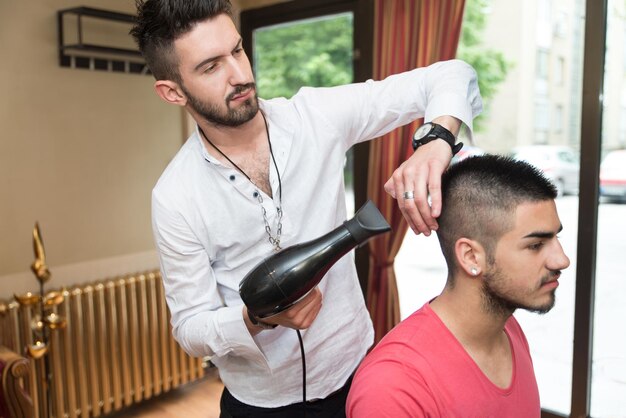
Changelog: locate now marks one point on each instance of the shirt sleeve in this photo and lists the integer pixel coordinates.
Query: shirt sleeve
(384, 389)
(201, 322)
(364, 111)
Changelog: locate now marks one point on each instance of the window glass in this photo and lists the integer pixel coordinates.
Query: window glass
(542, 64)
(313, 52)
(558, 118)
(559, 71)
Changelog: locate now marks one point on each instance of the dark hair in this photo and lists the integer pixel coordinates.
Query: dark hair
(479, 196)
(160, 22)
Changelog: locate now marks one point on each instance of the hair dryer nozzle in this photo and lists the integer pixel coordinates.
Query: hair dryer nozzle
(281, 279)
(367, 222)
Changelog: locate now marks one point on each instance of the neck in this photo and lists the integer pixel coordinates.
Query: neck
(250, 158)
(235, 138)
(462, 310)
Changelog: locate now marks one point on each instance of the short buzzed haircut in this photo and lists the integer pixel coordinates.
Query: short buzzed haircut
(480, 195)
(160, 22)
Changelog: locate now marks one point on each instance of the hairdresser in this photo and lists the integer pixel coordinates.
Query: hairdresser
(260, 175)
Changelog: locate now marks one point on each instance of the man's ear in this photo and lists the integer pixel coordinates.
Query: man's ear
(170, 92)
(471, 257)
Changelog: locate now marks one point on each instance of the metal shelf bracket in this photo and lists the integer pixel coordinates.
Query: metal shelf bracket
(92, 55)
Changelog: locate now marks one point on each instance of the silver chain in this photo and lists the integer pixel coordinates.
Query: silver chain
(275, 241)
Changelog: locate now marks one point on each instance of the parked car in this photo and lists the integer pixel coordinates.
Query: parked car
(559, 163)
(613, 176)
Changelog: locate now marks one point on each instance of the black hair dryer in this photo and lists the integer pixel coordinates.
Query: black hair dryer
(282, 279)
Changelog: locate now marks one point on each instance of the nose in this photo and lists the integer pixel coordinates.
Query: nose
(558, 260)
(239, 71)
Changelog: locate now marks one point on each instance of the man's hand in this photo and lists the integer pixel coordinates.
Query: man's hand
(421, 174)
(300, 316)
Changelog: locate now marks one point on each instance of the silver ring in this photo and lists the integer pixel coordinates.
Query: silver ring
(408, 195)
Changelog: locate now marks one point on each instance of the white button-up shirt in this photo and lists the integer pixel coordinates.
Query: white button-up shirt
(209, 229)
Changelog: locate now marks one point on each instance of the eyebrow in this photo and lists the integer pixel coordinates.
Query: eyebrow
(543, 234)
(211, 59)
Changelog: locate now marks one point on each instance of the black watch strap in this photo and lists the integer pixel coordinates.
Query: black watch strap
(258, 323)
(436, 131)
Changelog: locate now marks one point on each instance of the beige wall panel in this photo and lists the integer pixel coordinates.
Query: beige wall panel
(79, 152)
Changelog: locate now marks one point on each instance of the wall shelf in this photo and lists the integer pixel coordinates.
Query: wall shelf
(93, 55)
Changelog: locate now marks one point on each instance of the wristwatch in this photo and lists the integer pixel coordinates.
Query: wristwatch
(431, 131)
(257, 323)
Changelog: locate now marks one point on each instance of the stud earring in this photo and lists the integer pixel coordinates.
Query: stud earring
(474, 271)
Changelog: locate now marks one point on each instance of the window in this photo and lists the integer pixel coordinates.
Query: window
(544, 33)
(559, 71)
(557, 121)
(542, 120)
(315, 52)
(542, 64)
(560, 25)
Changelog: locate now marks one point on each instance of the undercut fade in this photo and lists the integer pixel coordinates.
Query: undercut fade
(160, 22)
(480, 194)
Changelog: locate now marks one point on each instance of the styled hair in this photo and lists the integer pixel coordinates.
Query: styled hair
(160, 22)
(480, 195)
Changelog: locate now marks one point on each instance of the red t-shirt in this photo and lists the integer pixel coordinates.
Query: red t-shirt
(419, 369)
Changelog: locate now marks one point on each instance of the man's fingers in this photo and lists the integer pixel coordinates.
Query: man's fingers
(302, 314)
(398, 185)
(434, 190)
(421, 174)
(311, 306)
(417, 210)
(390, 188)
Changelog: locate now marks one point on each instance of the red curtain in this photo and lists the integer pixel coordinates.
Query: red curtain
(407, 34)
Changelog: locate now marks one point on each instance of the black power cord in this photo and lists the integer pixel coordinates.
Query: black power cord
(303, 374)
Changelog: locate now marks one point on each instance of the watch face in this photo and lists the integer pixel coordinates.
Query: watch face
(422, 131)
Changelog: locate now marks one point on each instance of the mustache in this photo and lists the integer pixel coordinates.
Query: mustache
(551, 276)
(240, 88)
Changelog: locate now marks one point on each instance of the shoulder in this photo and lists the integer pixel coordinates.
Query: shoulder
(312, 113)
(403, 348)
(387, 388)
(281, 113)
(305, 103)
(392, 380)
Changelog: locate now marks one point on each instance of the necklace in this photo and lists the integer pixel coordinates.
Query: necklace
(274, 240)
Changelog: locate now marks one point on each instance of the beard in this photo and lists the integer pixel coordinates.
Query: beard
(499, 300)
(216, 115)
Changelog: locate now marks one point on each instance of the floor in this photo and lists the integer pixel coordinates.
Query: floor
(199, 399)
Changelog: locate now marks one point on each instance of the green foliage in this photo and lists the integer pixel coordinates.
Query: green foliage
(490, 65)
(313, 53)
(318, 52)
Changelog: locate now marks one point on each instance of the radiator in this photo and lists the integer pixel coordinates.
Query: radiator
(116, 350)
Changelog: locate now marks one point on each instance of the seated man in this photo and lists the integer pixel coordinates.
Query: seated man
(463, 354)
